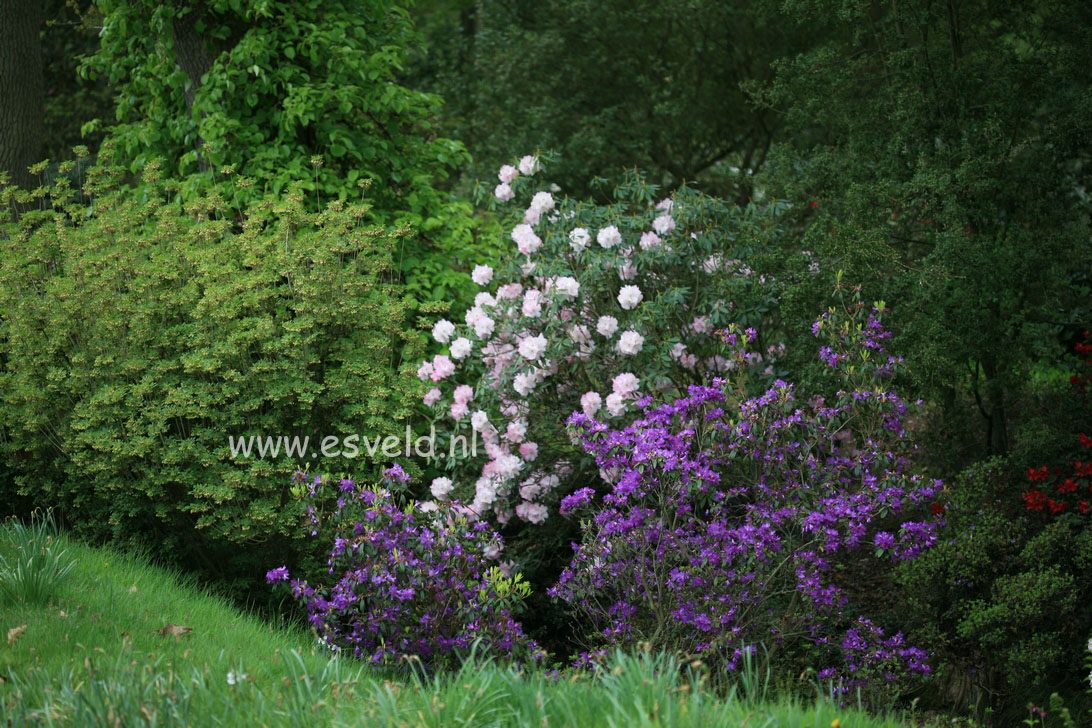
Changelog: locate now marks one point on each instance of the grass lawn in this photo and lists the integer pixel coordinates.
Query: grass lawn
(100, 651)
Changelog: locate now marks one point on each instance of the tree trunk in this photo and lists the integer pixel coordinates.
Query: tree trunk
(193, 57)
(22, 92)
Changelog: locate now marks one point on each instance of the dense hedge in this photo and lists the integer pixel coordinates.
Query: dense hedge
(138, 334)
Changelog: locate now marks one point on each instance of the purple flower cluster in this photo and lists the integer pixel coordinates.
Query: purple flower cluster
(407, 583)
(727, 515)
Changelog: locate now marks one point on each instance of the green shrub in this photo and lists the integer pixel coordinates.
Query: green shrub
(139, 333)
(1005, 598)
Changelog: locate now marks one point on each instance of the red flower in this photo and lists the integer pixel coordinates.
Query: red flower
(1055, 506)
(1068, 485)
(1034, 500)
(1083, 506)
(1086, 441)
(1040, 474)
(937, 509)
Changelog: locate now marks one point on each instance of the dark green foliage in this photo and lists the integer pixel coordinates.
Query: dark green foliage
(609, 84)
(1005, 598)
(945, 146)
(139, 333)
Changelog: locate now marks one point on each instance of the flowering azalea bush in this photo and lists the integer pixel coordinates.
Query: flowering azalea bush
(1066, 492)
(409, 582)
(729, 517)
(596, 306)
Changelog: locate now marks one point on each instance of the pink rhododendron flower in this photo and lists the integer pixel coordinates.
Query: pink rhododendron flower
(567, 286)
(590, 402)
(442, 331)
(509, 291)
(532, 512)
(431, 397)
(482, 275)
(532, 303)
(532, 347)
(542, 202)
(606, 326)
(701, 325)
(463, 393)
(524, 384)
(441, 487)
(625, 384)
(630, 343)
(526, 240)
(663, 224)
(528, 451)
(460, 347)
(507, 173)
(629, 297)
(424, 371)
(649, 240)
(528, 165)
(616, 404)
(609, 236)
(458, 411)
(516, 431)
(442, 367)
(483, 327)
(503, 192)
(579, 239)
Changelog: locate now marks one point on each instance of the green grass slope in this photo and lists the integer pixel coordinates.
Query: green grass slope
(99, 650)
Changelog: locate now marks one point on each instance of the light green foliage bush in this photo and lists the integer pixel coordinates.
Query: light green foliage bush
(140, 332)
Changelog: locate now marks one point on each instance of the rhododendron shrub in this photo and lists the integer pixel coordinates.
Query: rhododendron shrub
(594, 307)
(407, 581)
(728, 516)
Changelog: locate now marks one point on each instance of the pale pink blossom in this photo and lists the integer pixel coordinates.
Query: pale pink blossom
(441, 487)
(509, 291)
(524, 384)
(458, 411)
(442, 331)
(630, 343)
(424, 371)
(616, 404)
(528, 165)
(590, 402)
(606, 326)
(528, 451)
(483, 327)
(701, 325)
(532, 303)
(532, 347)
(526, 240)
(579, 239)
(542, 202)
(532, 512)
(516, 431)
(464, 393)
(442, 367)
(629, 297)
(507, 173)
(431, 397)
(649, 240)
(460, 347)
(609, 236)
(663, 224)
(567, 286)
(625, 384)
(503, 192)
(482, 275)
